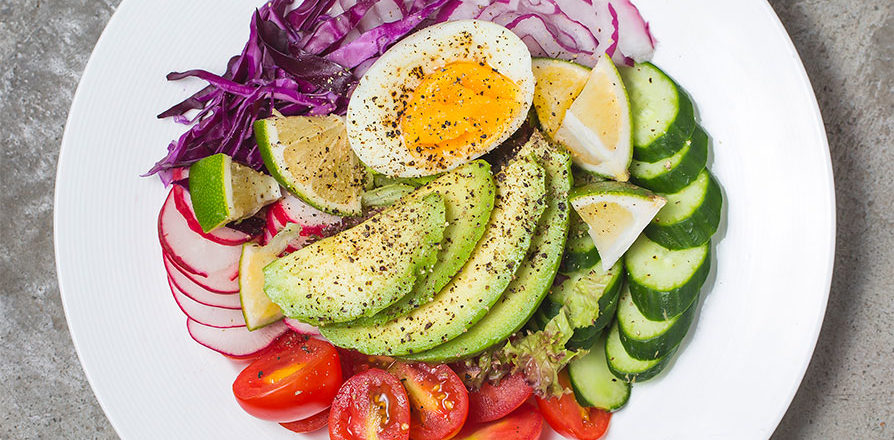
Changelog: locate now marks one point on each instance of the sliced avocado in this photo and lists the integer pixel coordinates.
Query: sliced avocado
(535, 276)
(470, 294)
(468, 193)
(359, 271)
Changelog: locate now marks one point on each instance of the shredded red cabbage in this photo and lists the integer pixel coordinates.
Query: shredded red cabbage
(305, 59)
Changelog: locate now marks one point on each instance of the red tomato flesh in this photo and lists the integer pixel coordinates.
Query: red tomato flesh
(570, 419)
(493, 402)
(313, 423)
(439, 401)
(524, 423)
(371, 405)
(293, 382)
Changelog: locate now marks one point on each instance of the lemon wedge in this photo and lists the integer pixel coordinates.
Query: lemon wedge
(311, 157)
(257, 308)
(616, 214)
(558, 82)
(596, 127)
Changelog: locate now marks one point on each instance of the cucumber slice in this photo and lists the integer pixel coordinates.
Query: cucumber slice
(586, 337)
(665, 282)
(663, 117)
(580, 252)
(545, 312)
(691, 215)
(583, 337)
(626, 367)
(589, 298)
(586, 295)
(594, 384)
(645, 339)
(674, 173)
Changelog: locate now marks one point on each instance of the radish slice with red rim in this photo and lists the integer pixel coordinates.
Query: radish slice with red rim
(223, 235)
(297, 211)
(199, 293)
(218, 287)
(179, 173)
(235, 342)
(211, 316)
(214, 265)
(279, 213)
(301, 328)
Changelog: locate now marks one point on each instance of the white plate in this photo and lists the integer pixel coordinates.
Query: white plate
(741, 363)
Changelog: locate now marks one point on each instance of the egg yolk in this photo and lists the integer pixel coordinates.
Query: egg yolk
(457, 109)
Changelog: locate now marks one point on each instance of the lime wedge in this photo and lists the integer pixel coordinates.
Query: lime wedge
(596, 127)
(558, 82)
(223, 191)
(311, 157)
(257, 308)
(616, 214)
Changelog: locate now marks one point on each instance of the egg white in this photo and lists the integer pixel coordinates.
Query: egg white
(373, 117)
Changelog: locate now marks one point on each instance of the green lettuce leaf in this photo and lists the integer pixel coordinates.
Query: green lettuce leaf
(539, 355)
(542, 355)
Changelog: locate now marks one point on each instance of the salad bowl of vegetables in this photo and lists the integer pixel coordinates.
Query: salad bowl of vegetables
(444, 219)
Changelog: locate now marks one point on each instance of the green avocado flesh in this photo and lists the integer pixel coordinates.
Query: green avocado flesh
(518, 205)
(468, 193)
(536, 273)
(362, 270)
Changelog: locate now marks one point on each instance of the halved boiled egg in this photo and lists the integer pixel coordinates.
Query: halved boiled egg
(441, 97)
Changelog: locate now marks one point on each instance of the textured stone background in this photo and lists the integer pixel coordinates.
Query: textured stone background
(847, 48)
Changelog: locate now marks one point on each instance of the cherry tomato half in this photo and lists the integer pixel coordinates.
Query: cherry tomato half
(493, 402)
(439, 401)
(524, 423)
(371, 405)
(296, 381)
(570, 419)
(310, 424)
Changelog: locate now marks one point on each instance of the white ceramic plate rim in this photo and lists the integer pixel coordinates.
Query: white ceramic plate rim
(69, 295)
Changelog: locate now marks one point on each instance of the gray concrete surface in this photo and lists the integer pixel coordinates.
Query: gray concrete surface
(846, 46)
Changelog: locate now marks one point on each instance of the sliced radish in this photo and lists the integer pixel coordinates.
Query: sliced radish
(269, 226)
(279, 213)
(211, 316)
(222, 235)
(301, 328)
(291, 209)
(235, 342)
(216, 266)
(217, 286)
(296, 211)
(199, 293)
(275, 223)
(180, 173)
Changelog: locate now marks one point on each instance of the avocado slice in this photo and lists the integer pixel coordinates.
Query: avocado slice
(535, 276)
(470, 294)
(362, 270)
(468, 193)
